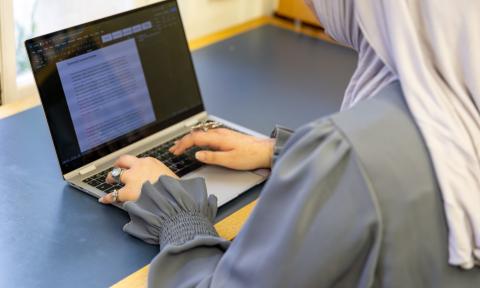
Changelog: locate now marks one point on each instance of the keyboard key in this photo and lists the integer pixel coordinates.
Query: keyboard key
(188, 169)
(94, 183)
(182, 157)
(104, 186)
(180, 165)
(163, 157)
(98, 178)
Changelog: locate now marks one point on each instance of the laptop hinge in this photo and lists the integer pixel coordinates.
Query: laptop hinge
(87, 170)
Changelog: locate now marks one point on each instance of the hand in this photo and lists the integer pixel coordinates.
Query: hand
(137, 172)
(231, 149)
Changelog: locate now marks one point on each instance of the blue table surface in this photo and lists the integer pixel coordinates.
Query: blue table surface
(52, 235)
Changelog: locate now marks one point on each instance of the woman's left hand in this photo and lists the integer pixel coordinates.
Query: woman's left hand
(136, 172)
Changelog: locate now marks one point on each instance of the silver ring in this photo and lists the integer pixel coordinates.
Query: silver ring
(117, 174)
(206, 125)
(115, 195)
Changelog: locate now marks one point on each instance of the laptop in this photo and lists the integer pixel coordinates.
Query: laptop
(126, 84)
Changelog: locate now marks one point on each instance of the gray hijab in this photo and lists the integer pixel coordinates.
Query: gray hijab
(432, 47)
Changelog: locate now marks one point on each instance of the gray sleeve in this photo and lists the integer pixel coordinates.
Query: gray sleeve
(281, 135)
(172, 212)
(315, 225)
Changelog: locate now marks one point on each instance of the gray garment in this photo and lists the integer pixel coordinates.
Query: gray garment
(352, 202)
(281, 135)
(172, 212)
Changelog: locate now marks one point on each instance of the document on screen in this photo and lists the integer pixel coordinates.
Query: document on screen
(106, 93)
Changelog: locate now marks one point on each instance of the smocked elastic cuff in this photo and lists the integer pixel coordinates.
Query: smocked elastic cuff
(183, 227)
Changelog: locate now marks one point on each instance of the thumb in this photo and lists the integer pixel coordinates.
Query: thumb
(213, 157)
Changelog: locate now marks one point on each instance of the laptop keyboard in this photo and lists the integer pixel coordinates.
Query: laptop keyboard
(180, 165)
(98, 181)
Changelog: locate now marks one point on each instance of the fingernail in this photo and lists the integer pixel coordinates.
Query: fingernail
(199, 155)
(100, 200)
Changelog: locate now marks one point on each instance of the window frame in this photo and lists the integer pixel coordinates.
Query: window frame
(8, 66)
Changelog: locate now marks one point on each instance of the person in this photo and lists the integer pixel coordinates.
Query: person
(384, 193)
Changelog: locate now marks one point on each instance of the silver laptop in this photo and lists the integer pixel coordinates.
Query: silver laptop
(126, 85)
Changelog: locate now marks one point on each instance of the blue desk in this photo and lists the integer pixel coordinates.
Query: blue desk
(54, 236)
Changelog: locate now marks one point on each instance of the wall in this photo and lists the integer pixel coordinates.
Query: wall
(200, 17)
(203, 17)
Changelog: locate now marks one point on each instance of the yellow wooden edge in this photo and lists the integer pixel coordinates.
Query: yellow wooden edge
(302, 29)
(136, 280)
(227, 33)
(228, 228)
(250, 25)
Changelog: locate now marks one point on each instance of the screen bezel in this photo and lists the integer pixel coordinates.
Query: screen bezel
(131, 137)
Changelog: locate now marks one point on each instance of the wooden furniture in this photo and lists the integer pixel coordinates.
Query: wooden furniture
(297, 10)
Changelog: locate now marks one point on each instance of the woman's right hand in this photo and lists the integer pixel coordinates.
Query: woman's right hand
(230, 149)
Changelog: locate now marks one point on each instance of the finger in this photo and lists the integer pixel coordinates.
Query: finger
(198, 138)
(125, 161)
(110, 179)
(188, 141)
(215, 157)
(108, 199)
(213, 138)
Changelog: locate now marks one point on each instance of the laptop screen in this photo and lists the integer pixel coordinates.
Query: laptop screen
(114, 81)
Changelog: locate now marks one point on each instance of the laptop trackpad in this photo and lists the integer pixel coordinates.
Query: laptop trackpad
(224, 183)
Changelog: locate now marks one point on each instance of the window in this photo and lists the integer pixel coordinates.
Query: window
(7, 74)
(32, 19)
(24, 19)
